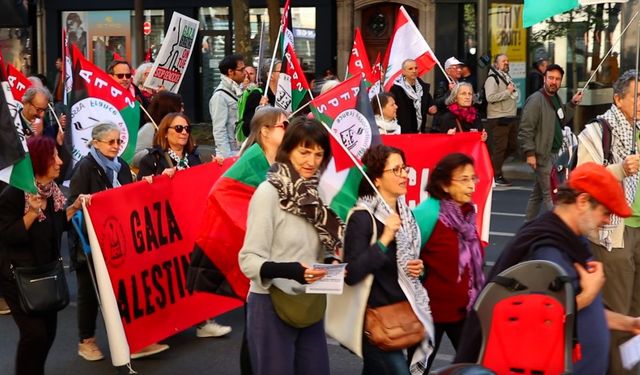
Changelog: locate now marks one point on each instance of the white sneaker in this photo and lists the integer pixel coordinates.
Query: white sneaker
(149, 350)
(212, 329)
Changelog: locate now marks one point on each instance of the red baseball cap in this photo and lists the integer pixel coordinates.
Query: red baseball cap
(602, 185)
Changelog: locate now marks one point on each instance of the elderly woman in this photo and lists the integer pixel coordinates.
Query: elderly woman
(288, 230)
(461, 116)
(393, 258)
(453, 254)
(385, 108)
(162, 104)
(140, 76)
(100, 170)
(31, 227)
(174, 148)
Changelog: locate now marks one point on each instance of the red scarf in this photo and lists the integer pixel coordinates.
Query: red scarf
(465, 114)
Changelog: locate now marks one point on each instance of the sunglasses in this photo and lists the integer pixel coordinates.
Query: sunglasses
(111, 142)
(123, 75)
(284, 125)
(180, 128)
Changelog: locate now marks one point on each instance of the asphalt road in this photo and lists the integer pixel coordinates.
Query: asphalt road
(191, 355)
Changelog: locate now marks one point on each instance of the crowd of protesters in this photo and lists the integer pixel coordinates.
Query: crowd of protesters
(435, 278)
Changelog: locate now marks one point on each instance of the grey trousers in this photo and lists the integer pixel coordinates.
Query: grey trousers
(621, 291)
(541, 195)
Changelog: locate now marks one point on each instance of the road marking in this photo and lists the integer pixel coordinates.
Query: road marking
(502, 234)
(507, 214)
(489, 264)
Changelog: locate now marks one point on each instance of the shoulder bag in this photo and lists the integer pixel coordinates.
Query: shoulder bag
(42, 288)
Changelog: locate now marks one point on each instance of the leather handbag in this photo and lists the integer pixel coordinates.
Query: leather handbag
(393, 327)
(42, 288)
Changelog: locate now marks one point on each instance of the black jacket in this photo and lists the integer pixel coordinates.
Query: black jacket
(406, 113)
(535, 81)
(448, 121)
(89, 178)
(155, 162)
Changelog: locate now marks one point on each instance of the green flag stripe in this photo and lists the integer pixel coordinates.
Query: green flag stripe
(131, 117)
(251, 169)
(22, 176)
(346, 198)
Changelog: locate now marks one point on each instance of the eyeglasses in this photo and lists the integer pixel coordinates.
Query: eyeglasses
(38, 109)
(467, 180)
(123, 75)
(284, 125)
(180, 128)
(111, 142)
(397, 170)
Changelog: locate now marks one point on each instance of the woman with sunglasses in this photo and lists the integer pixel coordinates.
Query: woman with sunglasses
(174, 148)
(453, 254)
(100, 170)
(393, 258)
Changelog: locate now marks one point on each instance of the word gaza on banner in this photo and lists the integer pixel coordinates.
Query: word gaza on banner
(173, 58)
(146, 234)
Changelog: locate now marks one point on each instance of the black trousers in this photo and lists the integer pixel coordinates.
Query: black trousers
(87, 302)
(453, 331)
(37, 332)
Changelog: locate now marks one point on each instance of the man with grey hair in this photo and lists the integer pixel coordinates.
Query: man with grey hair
(617, 245)
(502, 121)
(35, 105)
(413, 99)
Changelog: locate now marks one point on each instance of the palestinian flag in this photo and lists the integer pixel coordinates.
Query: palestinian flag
(96, 97)
(225, 223)
(15, 164)
(346, 109)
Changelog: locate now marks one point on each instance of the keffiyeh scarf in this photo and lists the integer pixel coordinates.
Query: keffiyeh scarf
(408, 248)
(621, 145)
(299, 196)
(415, 94)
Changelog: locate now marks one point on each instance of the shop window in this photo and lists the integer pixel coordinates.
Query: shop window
(214, 18)
(15, 44)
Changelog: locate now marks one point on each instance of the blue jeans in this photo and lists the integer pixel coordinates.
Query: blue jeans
(380, 362)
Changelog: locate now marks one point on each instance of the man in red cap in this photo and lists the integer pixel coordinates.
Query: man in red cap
(584, 205)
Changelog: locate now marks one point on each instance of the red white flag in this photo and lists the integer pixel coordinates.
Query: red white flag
(359, 61)
(406, 43)
(18, 82)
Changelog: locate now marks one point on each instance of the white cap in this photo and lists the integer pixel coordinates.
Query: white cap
(451, 61)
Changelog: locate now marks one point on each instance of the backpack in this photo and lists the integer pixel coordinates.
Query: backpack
(481, 100)
(242, 104)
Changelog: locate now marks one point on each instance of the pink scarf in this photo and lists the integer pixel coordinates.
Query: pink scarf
(46, 191)
(466, 114)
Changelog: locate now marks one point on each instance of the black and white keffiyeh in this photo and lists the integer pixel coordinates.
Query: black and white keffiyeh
(621, 146)
(415, 94)
(408, 248)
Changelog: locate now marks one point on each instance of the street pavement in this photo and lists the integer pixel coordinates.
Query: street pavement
(191, 355)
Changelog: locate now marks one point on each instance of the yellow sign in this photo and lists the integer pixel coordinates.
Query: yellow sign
(506, 32)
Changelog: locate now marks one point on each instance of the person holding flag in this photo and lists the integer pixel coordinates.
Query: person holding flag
(385, 109)
(413, 99)
(288, 230)
(393, 258)
(31, 228)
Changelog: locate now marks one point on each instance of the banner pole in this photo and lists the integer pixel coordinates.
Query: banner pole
(273, 59)
(150, 118)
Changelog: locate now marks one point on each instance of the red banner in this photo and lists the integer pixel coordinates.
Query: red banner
(424, 151)
(146, 233)
(18, 82)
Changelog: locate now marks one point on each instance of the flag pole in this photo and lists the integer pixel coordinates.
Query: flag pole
(150, 118)
(301, 108)
(55, 116)
(273, 59)
(260, 52)
(635, 92)
(609, 51)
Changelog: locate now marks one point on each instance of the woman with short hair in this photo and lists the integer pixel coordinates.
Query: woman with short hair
(288, 230)
(461, 116)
